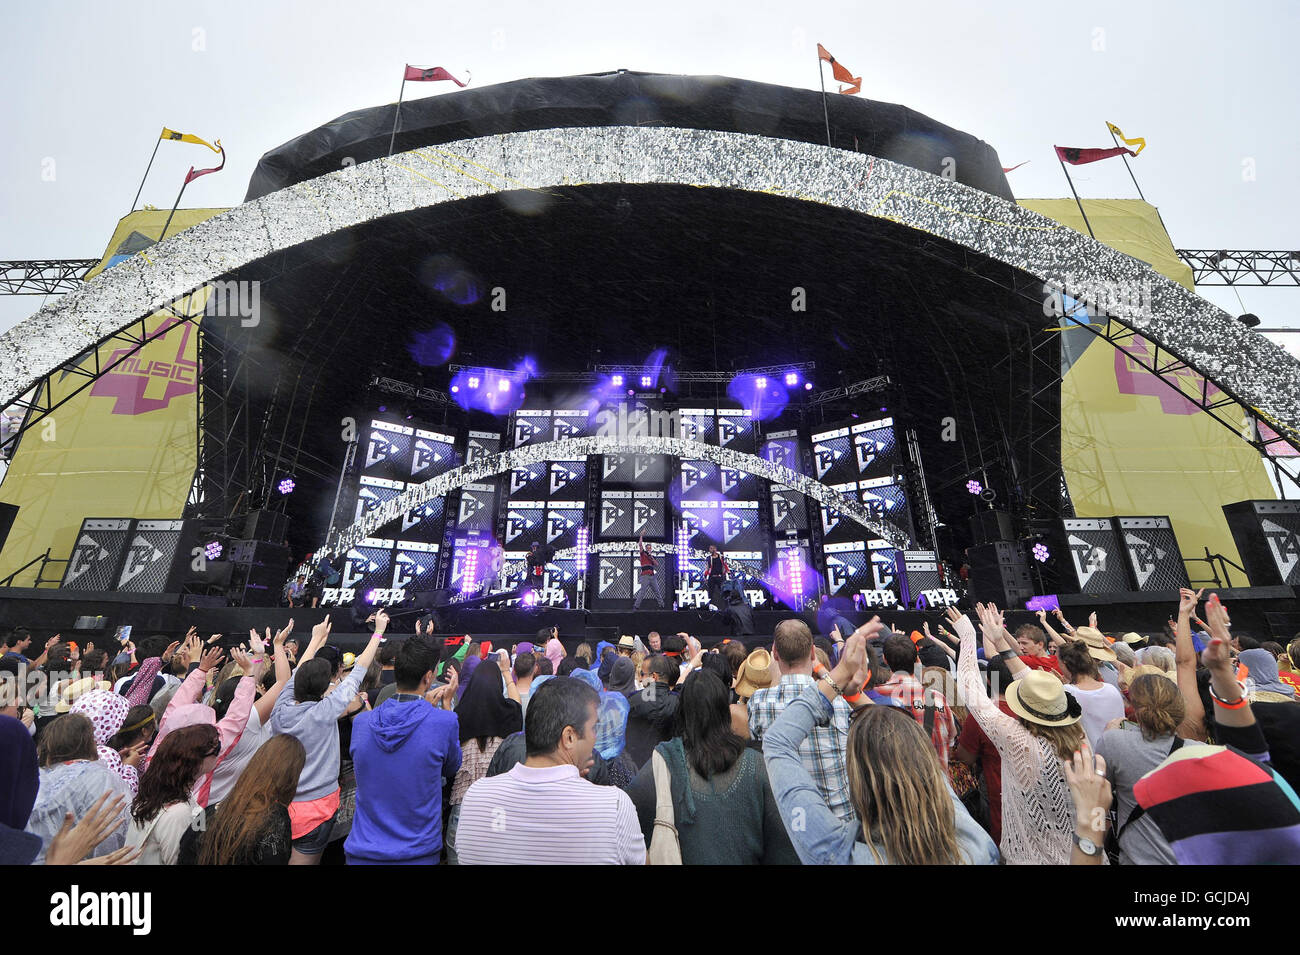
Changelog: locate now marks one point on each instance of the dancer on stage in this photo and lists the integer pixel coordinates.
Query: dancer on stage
(650, 578)
(539, 555)
(715, 572)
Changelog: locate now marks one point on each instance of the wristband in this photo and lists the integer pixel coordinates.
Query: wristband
(258, 660)
(1007, 654)
(1235, 705)
(854, 698)
(381, 637)
(833, 685)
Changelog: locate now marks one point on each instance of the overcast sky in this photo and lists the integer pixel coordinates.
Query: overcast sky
(1212, 88)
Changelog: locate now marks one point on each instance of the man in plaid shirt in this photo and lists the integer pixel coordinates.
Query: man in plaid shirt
(824, 751)
(903, 686)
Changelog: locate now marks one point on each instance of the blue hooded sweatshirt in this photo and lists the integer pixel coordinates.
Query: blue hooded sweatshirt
(401, 752)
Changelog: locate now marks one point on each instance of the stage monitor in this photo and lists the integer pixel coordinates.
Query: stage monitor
(388, 451)
(875, 448)
(833, 458)
(782, 448)
(432, 454)
(97, 558)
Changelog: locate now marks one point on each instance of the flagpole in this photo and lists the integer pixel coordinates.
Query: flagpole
(174, 205)
(1076, 195)
(1124, 156)
(397, 113)
(821, 75)
(146, 173)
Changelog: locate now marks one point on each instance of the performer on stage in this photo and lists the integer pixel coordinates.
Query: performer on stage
(496, 565)
(539, 555)
(650, 578)
(715, 572)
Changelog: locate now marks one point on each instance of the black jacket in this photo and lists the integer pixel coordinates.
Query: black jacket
(650, 720)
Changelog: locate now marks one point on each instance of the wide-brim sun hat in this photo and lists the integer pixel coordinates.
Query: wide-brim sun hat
(1098, 648)
(1039, 697)
(755, 673)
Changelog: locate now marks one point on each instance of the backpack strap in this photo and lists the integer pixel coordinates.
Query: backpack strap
(1138, 812)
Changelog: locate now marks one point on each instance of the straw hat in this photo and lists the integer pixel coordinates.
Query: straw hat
(755, 673)
(1132, 637)
(1040, 698)
(70, 693)
(1127, 677)
(1098, 648)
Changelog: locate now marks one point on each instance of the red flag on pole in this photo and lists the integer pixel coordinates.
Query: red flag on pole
(840, 72)
(416, 74)
(1015, 167)
(1078, 157)
(195, 173)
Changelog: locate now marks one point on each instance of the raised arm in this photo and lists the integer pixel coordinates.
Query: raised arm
(941, 644)
(266, 703)
(1055, 638)
(1004, 731)
(995, 633)
(1193, 724)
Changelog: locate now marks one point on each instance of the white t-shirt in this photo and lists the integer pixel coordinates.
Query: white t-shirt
(1099, 708)
(227, 772)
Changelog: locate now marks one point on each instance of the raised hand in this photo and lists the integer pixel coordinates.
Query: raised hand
(281, 635)
(241, 657)
(1187, 600)
(381, 620)
(1092, 620)
(73, 843)
(1217, 620)
(127, 855)
(171, 649)
(321, 632)
(133, 755)
(211, 659)
(503, 660)
(1089, 788)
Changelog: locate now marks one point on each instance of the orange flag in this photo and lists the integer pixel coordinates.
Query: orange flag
(840, 72)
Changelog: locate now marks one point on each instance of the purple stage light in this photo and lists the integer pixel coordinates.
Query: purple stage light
(286, 486)
(974, 487)
(212, 550)
(455, 389)
(647, 381)
(503, 384)
(631, 392)
(370, 596)
(473, 381)
(807, 386)
(383, 408)
(1041, 553)
(616, 381)
(761, 383)
(530, 599)
(791, 379)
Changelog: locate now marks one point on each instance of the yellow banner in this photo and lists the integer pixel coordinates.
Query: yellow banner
(124, 447)
(1130, 444)
(187, 138)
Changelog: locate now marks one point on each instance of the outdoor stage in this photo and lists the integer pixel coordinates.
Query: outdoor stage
(701, 326)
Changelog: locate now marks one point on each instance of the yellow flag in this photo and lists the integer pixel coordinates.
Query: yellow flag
(187, 138)
(1141, 144)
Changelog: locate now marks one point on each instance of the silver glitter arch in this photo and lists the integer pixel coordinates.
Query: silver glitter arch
(1245, 364)
(570, 448)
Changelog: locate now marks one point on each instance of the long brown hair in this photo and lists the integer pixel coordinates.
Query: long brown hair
(1157, 705)
(270, 779)
(900, 791)
(71, 736)
(174, 769)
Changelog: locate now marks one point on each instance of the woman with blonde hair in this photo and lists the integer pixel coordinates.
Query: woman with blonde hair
(906, 813)
(1038, 818)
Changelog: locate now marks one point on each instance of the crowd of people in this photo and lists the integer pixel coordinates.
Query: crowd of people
(864, 745)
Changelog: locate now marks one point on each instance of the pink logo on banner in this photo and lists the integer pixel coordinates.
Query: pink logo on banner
(139, 386)
(1134, 379)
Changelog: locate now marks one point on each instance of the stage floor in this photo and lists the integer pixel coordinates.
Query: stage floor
(1262, 612)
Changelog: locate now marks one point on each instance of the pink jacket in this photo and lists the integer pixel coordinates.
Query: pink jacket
(184, 710)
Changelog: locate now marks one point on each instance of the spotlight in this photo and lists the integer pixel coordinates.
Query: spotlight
(212, 550)
(455, 389)
(646, 381)
(473, 381)
(1041, 553)
(761, 383)
(286, 486)
(631, 392)
(370, 596)
(974, 487)
(383, 408)
(791, 378)
(616, 381)
(503, 384)
(807, 386)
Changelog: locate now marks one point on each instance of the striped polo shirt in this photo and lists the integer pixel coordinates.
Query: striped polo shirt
(547, 816)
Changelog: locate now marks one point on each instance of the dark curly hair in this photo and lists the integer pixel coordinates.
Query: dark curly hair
(174, 769)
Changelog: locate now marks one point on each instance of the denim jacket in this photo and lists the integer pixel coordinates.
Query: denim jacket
(819, 837)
